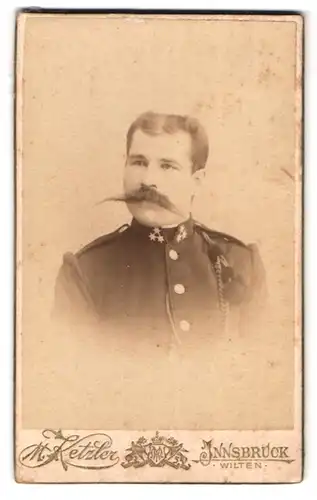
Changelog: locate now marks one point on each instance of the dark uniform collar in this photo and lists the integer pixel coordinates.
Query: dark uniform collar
(161, 235)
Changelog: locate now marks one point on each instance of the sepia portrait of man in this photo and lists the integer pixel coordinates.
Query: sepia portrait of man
(164, 272)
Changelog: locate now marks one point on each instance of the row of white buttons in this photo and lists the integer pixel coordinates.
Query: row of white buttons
(179, 289)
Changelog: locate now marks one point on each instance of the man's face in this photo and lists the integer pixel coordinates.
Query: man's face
(162, 162)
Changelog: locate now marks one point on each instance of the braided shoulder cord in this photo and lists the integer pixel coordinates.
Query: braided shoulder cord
(222, 302)
(218, 261)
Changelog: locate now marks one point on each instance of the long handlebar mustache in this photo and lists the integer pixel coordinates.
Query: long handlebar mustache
(145, 194)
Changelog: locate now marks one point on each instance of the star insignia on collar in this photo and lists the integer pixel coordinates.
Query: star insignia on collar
(181, 234)
(156, 235)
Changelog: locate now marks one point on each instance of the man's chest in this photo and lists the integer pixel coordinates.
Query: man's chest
(156, 282)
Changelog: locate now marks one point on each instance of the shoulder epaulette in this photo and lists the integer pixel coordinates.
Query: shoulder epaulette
(106, 238)
(218, 236)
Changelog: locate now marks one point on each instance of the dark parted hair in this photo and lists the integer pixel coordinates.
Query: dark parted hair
(157, 123)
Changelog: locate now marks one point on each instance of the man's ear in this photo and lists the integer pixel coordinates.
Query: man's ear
(199, 176)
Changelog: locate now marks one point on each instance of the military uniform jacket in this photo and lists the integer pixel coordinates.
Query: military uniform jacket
(166, 285)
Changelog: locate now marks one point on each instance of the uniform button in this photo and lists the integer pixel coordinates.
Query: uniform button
(179, 289)
(173, 254)
(184, 325)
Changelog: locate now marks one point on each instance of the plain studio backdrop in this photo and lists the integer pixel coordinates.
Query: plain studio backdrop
(85, 79)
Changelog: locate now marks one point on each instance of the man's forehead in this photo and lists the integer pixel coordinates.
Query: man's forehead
(177, 144)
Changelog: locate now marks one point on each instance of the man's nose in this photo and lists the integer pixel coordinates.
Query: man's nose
(151, 176)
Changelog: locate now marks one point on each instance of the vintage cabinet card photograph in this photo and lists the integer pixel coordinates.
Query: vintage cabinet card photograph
(158, 248)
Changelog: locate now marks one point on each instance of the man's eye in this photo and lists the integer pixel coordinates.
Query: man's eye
(139, 163)
(167, 166)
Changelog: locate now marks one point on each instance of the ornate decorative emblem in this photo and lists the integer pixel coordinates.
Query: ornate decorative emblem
(156, 452)
(156, 235)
